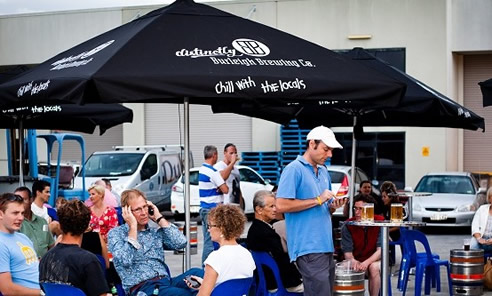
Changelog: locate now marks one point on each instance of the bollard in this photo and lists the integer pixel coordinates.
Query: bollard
(467, 272)
(193, 236)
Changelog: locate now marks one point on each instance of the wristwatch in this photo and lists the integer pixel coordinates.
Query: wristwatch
(159, 219)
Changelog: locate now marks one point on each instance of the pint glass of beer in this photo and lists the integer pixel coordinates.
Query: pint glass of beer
(368, 212)
(396, 212)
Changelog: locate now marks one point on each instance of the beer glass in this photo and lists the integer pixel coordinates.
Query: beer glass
(368, 212)
(396, 212)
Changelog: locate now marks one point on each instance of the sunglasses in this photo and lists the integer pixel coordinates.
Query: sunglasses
(10, 197)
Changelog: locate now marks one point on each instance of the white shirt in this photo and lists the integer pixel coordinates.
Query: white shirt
(231, 262)
(41, 212)
(234, 176)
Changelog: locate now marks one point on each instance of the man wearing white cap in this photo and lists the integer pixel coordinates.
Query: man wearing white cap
(304, 196)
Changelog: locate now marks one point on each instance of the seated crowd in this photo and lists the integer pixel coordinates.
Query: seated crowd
(29, 256)
(88, 232)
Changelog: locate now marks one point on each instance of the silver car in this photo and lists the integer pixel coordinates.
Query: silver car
(450, 203)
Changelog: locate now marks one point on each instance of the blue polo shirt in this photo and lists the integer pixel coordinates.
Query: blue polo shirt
(308, 231)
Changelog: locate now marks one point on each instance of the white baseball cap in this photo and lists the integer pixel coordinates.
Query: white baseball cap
(324, 134)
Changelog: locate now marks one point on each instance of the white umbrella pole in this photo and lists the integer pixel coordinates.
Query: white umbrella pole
(352, 171)
(21, 151)
(186, 128)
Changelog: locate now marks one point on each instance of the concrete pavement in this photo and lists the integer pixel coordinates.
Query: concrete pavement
(441, 240)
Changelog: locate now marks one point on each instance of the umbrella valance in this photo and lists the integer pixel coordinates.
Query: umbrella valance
(71, 117)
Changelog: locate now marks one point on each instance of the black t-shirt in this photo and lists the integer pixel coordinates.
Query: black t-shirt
(74, 266)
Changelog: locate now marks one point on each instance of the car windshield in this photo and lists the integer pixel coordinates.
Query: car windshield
(336, 177)
(446, 184)
(193, 178)
(112, 164)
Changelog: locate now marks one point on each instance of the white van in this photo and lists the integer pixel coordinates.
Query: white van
(151, 169)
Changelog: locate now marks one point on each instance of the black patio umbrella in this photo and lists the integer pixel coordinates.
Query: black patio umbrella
(70, 117)
(421, 106)
(196, 51)
(486, 87)
(193, 53)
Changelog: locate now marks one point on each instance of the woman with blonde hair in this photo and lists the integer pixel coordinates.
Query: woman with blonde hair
(231, 260)
(103, 217)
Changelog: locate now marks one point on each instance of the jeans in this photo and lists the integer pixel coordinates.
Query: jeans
(474, 244)
(208, 246)
(170, 287)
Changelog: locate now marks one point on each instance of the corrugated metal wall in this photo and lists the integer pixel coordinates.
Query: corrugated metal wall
(162, 128)
(477, 145)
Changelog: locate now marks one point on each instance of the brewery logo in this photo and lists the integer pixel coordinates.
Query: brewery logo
(251, 47)
(33, 88)
(241, 46)
(80, 59)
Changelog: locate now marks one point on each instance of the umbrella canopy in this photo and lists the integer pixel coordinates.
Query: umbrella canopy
(193, 53)
(196, 51)
(486, 87)
(420, 106)
(70, 117)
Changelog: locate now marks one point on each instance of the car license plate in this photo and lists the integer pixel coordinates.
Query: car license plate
(194, 209)
(439, 217)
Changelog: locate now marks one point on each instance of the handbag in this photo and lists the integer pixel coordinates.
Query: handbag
(487, 274)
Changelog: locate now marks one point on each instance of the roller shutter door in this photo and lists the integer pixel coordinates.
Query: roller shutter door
(477, 145)
(162, 127)
(95, 142)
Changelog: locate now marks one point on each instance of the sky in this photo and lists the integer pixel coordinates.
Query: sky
(8, 7)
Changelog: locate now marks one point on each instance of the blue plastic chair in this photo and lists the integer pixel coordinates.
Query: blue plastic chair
(52, 213)
(52, 289)
(263, 258)
(428, 264)
(234, 287)
(119, 213)
(408, 261)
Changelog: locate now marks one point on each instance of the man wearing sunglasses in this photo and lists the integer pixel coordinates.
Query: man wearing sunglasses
(19, 263)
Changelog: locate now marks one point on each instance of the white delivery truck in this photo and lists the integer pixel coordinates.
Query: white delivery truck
(151, 169)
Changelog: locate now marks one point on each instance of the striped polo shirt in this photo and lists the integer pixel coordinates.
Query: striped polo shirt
(209, 180)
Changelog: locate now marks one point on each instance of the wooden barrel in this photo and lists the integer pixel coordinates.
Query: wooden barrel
(351, 283)
(467, 272)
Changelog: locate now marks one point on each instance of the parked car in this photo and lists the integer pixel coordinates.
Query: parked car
(450, 203)
(340, 179)
(251, 182)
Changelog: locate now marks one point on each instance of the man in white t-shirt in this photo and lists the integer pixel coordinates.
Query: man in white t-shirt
(41, 193)
(230, 173)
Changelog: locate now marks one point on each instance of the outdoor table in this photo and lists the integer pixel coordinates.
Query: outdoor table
(408, 197)
(384, 224)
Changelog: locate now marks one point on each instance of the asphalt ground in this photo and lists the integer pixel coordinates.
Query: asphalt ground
(441, 241)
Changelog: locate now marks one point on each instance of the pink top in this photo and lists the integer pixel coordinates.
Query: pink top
(103, 224)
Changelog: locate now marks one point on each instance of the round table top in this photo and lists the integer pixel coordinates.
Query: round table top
(382, 223)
